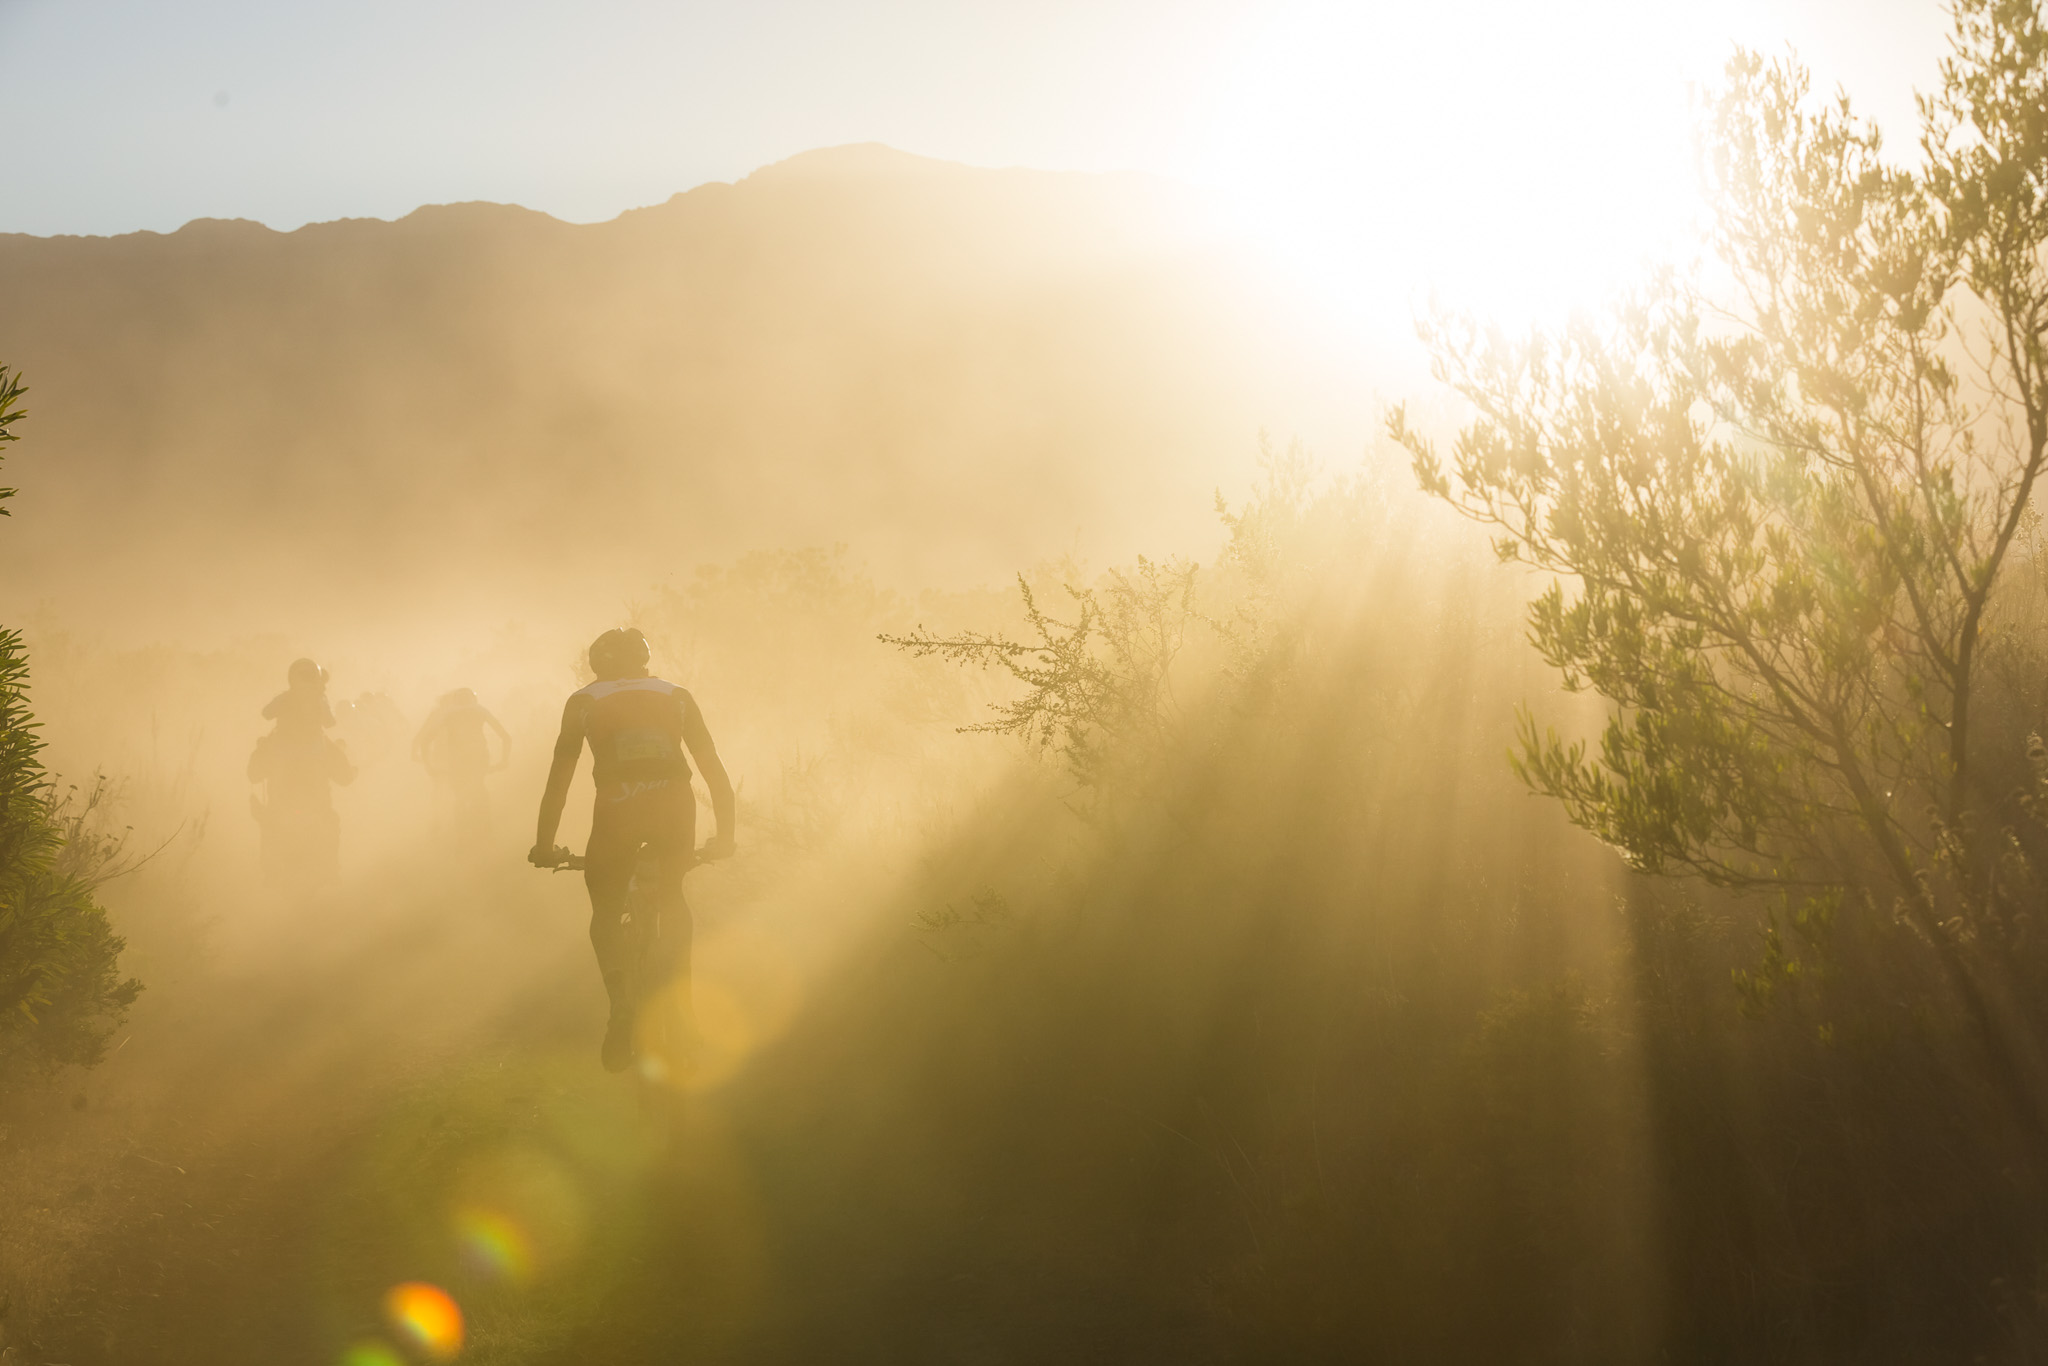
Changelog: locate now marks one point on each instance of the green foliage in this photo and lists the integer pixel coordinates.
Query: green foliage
(61, 993)
(1783, 969)
(59, 958)
(1776, 531)
(11, 411)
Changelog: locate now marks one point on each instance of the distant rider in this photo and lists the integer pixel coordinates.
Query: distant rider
(298, 765)
(637, 728)
(453, 746)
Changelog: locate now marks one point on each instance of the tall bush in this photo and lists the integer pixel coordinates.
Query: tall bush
(61, 990)
(1779, 523)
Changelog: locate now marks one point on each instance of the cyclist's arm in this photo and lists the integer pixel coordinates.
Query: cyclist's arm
(698, 737)
(568, 748)
(422, 743)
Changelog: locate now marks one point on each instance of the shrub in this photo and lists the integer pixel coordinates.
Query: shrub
(61, 991)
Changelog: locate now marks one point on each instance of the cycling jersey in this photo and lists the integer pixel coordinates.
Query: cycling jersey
(635, 727)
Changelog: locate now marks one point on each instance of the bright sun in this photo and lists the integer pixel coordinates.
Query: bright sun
(1518, 159)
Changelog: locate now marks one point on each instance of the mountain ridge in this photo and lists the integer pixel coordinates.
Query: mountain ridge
(853, 160)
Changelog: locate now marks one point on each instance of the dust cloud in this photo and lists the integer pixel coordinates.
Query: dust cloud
(1237, 1004)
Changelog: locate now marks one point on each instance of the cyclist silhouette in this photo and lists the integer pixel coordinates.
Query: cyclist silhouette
(298, 766)
(637, 728)
(456, 751)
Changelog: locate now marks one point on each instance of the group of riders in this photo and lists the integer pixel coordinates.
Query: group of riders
(643, 734)
(298, 765)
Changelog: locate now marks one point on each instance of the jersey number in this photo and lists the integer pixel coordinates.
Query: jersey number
(633, 746)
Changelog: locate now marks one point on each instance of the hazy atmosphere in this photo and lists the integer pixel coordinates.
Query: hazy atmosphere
(995, 684)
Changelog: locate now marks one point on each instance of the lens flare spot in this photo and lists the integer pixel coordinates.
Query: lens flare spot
(494, 1245)
(371, 1354)
(427, 1317)
(730, 1028)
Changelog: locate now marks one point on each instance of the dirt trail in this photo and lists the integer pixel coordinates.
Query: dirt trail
(280, 1142)
(245, 1090)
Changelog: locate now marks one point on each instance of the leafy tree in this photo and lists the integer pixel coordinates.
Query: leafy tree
(1778, 526)
(61, 993)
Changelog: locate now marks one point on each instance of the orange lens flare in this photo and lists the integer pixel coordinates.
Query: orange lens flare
(426, 1317)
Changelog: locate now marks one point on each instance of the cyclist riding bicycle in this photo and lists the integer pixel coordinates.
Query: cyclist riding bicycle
(637, 728)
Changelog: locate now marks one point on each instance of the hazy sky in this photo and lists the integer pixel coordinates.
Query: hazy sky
(1343, 133)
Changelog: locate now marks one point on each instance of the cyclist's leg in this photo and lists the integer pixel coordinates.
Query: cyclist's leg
(608, 874)
(671, 944)
(672, 847)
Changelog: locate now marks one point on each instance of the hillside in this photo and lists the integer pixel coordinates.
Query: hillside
(951, 370)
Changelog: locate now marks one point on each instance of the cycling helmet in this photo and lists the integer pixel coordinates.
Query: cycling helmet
(618, 653)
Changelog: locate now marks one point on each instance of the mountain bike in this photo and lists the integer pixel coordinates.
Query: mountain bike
(657, 967)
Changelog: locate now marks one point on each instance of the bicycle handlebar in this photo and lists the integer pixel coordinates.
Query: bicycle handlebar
(567, 862)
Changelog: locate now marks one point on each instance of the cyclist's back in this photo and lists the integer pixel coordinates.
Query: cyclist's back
(636, 729)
